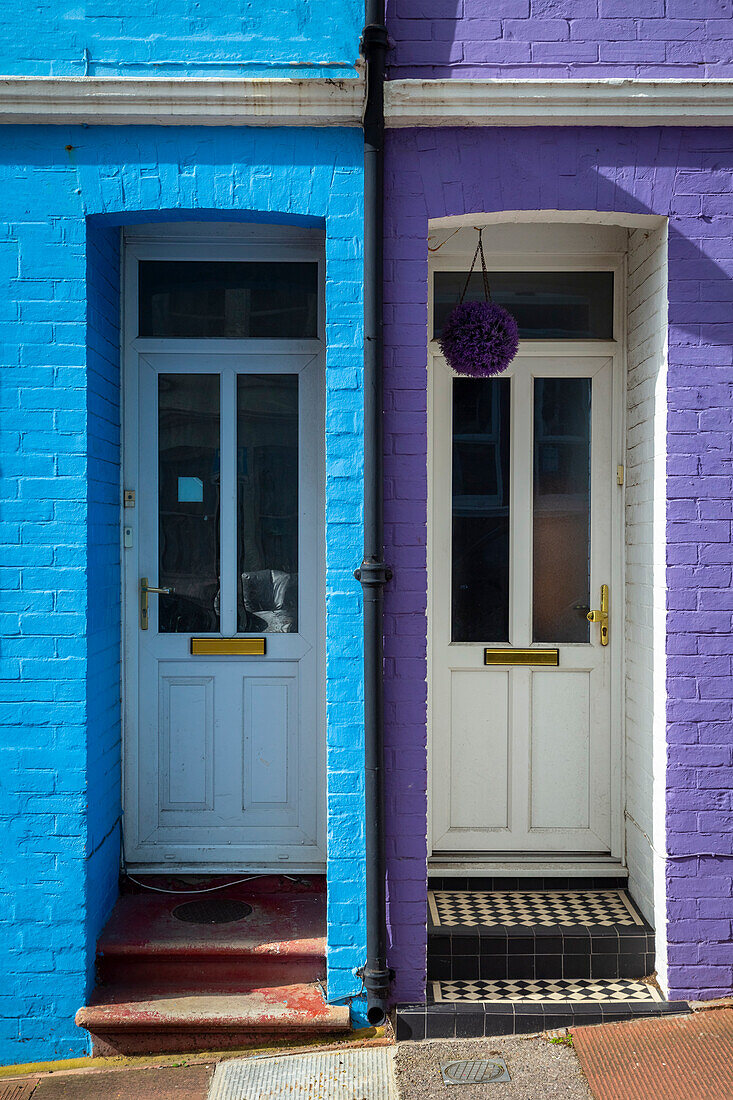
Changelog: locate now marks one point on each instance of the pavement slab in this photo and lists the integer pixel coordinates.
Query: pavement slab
(539, 1070)
(673, 1058)
(181, 1082)
(341, 1075)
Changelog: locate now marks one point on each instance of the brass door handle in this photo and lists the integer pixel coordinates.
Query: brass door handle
(145, 590)
(601, 617)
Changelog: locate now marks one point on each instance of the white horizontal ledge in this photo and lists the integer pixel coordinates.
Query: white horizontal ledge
(319, 101)
(181, 101)
(609, 102)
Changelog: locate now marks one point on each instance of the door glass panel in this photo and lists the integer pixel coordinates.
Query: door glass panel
(218, 298)
(480, 552)
(188, 494)
(561, 509)
(548, 305)
(267, 503)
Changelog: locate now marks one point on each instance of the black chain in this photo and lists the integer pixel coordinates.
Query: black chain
(484, 273)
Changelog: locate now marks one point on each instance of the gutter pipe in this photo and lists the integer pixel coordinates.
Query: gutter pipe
(373, 573)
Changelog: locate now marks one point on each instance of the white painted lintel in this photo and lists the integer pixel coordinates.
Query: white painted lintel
(609, 102)
(318, 101)
(181, 101)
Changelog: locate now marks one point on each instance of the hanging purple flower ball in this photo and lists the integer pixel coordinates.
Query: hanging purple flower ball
(479, 339)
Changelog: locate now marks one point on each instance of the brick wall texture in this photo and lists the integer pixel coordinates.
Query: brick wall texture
(174, 38)
(64, 193)
(561, 38)
(685, 175)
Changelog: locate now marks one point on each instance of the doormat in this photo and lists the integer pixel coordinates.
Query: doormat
(339, 1075)
(548, 991)
(532, 908)
(673, 1058)
(212, 911)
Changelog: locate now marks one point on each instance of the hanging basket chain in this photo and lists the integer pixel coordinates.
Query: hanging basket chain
(484, 273)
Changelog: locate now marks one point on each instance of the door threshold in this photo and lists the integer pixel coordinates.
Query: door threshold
(226, 870)
(560, 867)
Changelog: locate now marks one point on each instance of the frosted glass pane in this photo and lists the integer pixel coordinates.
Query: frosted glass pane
(561, 509)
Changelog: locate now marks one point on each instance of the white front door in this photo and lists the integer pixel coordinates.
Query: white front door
(523, 523)
(224, 754)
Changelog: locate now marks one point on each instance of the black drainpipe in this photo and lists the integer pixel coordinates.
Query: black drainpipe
(373, 573)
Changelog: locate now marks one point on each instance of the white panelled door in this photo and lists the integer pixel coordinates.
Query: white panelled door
(224, 760)
(523, 530)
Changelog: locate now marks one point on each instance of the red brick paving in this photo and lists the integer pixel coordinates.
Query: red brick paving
(181, 1082)
(672, 1058)
(17, 1090)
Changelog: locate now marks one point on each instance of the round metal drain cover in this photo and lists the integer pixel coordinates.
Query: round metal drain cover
(215, 911)
(474, 1071)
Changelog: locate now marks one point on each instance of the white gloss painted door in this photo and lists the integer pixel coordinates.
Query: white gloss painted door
(224, 754)
(524, 511)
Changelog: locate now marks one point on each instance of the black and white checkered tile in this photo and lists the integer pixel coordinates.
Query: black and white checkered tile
(548, 991)
(451, 909)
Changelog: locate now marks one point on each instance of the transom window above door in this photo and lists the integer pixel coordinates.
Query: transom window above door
(233, 299)
(548, 305)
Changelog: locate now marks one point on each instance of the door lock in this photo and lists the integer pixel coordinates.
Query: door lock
(145, 589)
(601, 617)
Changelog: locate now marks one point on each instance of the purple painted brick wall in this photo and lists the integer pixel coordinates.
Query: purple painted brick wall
(561, 38)
(686, 175)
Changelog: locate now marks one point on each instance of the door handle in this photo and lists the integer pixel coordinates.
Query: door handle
(145, 589)
(601, 617)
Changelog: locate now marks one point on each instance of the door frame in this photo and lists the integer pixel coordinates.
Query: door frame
(615, 350)
(212, 241)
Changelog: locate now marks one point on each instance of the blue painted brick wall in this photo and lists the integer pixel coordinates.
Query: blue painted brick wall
(174, 38)
(104, 668)
(64, 192)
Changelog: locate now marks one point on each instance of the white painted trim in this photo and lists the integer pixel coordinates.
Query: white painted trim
(547, 867)
(181, 101)
(609, 102)
(205, 240)
(319, 101)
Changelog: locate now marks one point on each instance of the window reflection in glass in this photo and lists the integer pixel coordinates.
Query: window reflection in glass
(548, 305)
(267, 503)
(480, 552)
(189, 489)
(229, 299)
(561, 509)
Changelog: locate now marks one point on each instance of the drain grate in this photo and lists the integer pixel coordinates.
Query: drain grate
(475, 1071)
(213, 911)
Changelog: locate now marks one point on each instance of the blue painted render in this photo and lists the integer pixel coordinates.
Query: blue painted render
(64, 192)
(170, 38)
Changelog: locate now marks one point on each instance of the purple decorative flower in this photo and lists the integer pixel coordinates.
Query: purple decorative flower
(479, 338)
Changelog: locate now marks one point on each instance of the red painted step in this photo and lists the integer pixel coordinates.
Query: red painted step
(168, 985)
(133, 1022)
(282, 941)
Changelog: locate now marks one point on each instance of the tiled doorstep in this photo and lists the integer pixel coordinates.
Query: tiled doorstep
(591, 952)
(468, 1021)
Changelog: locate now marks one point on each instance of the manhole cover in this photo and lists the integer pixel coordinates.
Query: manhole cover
(475, 1071)
(216, 911)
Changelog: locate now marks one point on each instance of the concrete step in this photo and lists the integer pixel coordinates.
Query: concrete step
(135, 1021)
(280, 942)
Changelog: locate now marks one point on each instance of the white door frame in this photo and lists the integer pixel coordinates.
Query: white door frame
(215, 241)
(552, 349)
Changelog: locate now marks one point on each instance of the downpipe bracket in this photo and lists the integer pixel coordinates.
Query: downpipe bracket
(373, 574)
